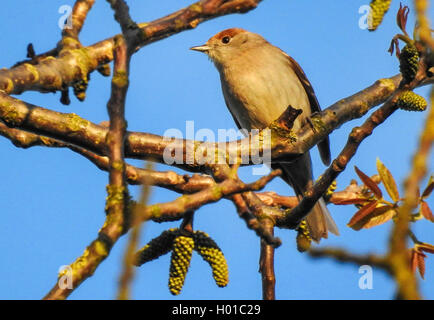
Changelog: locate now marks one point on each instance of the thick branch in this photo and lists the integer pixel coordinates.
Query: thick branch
(54, 74)
(72, 129)
(180, 183)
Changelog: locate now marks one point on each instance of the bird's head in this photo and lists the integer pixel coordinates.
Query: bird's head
(229, 44)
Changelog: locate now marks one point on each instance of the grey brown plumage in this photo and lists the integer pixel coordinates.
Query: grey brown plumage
(259, 81)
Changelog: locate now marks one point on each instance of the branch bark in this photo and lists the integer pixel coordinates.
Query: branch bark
(118, 197)
(50, 72)
(266, 266)
(73, 129)
(70, 33)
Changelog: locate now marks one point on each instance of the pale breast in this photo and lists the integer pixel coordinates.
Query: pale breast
(259, 94)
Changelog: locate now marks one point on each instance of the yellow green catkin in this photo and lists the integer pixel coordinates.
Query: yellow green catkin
(331, 189)
(377, 12)
(211, 253)
(180, 262)
(410, 101)
(304, 240)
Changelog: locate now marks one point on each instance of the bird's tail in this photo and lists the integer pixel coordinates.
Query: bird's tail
(299, 175)
(319, 221)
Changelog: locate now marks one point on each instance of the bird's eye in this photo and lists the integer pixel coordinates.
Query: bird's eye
(226, 39)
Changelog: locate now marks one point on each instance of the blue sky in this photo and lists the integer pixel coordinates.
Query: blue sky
(52, 200)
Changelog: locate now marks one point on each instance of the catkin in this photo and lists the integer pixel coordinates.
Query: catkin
(376, 15)
(410, 101)
(211, 253)
(156, 247)
(409, 62)
(180, 262)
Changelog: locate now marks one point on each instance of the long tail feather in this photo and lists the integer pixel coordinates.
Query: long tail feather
(299, 175)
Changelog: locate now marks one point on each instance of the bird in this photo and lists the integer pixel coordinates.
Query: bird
(259, 81)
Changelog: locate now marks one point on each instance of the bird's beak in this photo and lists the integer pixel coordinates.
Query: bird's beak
(204, 48)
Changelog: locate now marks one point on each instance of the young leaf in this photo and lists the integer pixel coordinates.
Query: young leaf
(429, 188)
(379, 216)
(394, 45)
(413, 260)
(418, 262)
(413, 263)
(425, 247)
(426, 211)
(359, 215)
(388, 181)
(421, 264)
(355, 200)
(369, 183)
(401, 17)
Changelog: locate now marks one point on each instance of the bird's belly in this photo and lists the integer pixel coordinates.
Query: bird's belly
(258, 97)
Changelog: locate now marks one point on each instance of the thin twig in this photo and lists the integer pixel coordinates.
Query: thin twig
(345, 256)
(127, 274)
(356, 137)
(250, 203)
(78, 16)
(266, 266)
(175, 210)
(338, 165)
(253, 222)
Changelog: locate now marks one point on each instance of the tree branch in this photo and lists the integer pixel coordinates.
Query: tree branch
(175, 209)
(73, 129)
(118, 197)
(54, 74)
(399, 260)
(127, 274)
(266, 266)
(70, 33)
(356, 137)
(344, 256)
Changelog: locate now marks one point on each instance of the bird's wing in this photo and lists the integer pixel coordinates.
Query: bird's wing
(232, 114)
(324, 145)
